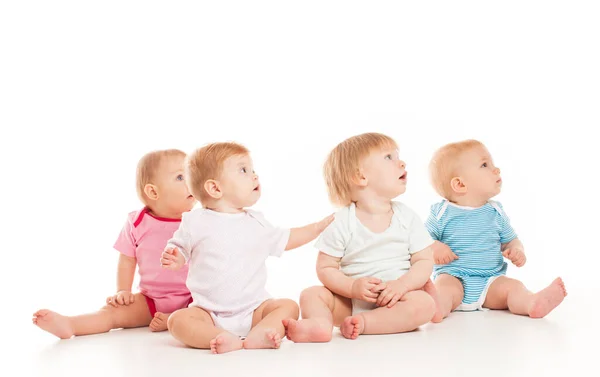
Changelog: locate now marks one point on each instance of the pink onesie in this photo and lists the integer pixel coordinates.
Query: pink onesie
(144, 237)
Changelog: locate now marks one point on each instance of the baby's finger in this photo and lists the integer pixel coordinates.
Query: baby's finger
(113, 301)
(386, 300)
(379, 287)
(382, 296)
(374, 281)
(454, 256)
(394, 300)
(131, 298)
(170, 257)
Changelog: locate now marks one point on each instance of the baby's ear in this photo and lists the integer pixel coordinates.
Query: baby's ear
(360, 179)
(213, 189)
(458, 185)
(151, 191)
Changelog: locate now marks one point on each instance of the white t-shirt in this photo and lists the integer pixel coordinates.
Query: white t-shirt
(226, 255)
(384, 255)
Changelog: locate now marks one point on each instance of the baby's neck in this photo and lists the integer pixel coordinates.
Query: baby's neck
(469, 202)
(158, 211)
(373, 205)
(223, 207)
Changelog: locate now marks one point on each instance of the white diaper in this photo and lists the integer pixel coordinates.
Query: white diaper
(238, 324)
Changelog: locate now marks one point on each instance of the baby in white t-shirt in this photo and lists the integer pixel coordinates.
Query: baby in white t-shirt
(375, 258)
(226, 246)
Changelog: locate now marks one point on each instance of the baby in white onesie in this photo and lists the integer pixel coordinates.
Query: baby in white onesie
(226, 246)
(375, 258)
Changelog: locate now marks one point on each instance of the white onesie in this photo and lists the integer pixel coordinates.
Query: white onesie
(384, 255)
(226, 255)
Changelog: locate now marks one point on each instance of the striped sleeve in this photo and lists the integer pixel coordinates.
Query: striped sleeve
(507, 233)
(432, 224)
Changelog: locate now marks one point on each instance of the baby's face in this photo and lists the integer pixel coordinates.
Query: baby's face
(239, 183)
(479, 174)
(385, 172)
(173, 192)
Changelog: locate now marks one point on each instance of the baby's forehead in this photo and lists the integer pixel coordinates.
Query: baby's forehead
(475, 154)
(170, 165)
(239, 159)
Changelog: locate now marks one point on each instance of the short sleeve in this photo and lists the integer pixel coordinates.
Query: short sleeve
(433, 226)
(419, 238)
(276, 238)
(181, 238)
(126, 243)
(507, 233)
(335, 237)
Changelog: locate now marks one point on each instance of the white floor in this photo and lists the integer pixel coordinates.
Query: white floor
(466, 344)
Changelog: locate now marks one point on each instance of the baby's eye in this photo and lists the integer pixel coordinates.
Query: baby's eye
(484, 165)
(243, 170)
(180, 177)
(388, 156)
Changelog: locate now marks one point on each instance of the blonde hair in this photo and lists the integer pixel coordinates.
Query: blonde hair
(207, 163)
(147, 167)
(343, 164)
(444, 165)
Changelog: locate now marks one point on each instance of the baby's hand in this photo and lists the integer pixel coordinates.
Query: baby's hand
(172, 259)
(392, 293)
(516, 255)
(321, 225)
(121, 298)
(365, 289)
(442, 254)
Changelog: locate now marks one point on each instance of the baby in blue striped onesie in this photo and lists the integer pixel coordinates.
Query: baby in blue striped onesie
(474, 236)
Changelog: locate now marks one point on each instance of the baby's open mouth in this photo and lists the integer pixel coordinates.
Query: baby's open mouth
(403, 176)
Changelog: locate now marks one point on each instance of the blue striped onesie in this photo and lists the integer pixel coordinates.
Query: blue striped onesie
(475, 235)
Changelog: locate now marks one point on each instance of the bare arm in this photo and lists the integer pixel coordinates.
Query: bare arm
(415, 278)
(516, 243)
(513, 251)
(328, 272)
(302, 236)
(125, 272)
(420, 270)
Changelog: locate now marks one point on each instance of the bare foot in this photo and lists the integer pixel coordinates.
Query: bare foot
(430, 288)
(159, 322)
(352, 327)
(54, 323)
(264, 338)
(225, 342)
(547, 299)
(307, 330)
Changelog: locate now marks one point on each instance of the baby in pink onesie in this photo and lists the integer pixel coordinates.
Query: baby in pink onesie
(161, 187)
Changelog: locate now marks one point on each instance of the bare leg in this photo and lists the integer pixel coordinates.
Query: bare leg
(430, 288)
(321, 310)
(511, 294)
(109, 317)
(413, 310)
(450, 293)
(267, 323)
(195, 328)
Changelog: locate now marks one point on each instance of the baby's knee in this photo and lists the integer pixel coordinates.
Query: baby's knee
(423, 306)
(291, 306)
(175, 320)
(316, 292)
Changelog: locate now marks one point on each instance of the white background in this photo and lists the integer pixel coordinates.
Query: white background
(86, 88)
